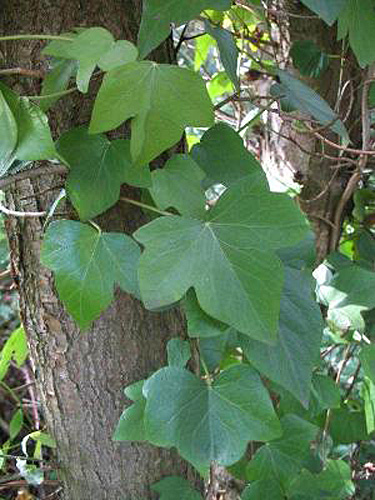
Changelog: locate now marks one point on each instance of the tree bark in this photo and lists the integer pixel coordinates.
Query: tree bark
(81, 374)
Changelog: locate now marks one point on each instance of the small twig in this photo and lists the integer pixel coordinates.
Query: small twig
(182, 38)
(354, 379)
(15, 213)
(31, 390)
(32, 73)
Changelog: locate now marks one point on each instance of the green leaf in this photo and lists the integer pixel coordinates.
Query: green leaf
(358, 18)
(200, 324)
(98, 167)
(16, 423)
(151, 95)
(223, 157)
(227, 49)
(303, 98)
(158, 15)
(291, 360)
(173, 487)
(328, 10)
(43, 438)
(87, 265)
(368, 394)
(57, 80)
(207, 423)
(178, 352)
(88, 47)
(227, 257)
(283, 458)
(122, 52)
(131, 424)
(178, 185)
(367, 357)
(308, 58)
(261, 490)
(333, 483)
(8, 135)
(347, 426)
(14, 348)
(202, 48)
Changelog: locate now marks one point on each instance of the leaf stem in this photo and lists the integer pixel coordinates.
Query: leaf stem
(51, 96)
(95, 226)
(145, 206)
(35, 37)
(206, 371)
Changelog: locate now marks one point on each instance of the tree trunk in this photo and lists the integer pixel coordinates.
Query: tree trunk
(81, 374)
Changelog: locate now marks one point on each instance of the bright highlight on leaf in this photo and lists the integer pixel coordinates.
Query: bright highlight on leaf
(208, 423)
(87, 265)
(98, 168)
(227, 256)
(158, 15)
(161, 99)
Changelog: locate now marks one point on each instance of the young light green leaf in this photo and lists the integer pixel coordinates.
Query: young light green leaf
(283, 458)
(14, 348)
(43, 438)
(208, 423)
(122, 52)
(87, 265)
(98, 167)
(202, 48)
(291, 360)
(308, 58)
(57, 80)
(227, 49)
(367, 357)
(359, 20)
(178, 352)
(151, 94)
(178, 185)
(173, 487)
(327, 10)
(131, 424)
(16, 423)
(223, 157)
(368, 394)
(303, 98)
(158, 15)
(227, 257)
(8, 134)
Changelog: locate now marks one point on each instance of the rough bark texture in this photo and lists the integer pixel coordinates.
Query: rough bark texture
(81, 375)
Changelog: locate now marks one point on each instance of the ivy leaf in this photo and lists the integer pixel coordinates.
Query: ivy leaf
(158, 15)
(87, 265)
(259, 490)
(122, 52)
(8, 135)
(131, 424)
(208, 423)
(222, 155)
(178, 185)
(174, 487)
(227, 49)
(227, 257)
(57, 80)
(283, 458)
(300, 96)
(152, 95)
(358, 18)
(328, 11)
(308, 58)
(178, 352)
(291, 360)
(34, 140)
(98, 167)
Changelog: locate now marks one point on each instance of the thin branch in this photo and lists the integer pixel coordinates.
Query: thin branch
(15, 213)
(31, 73)
(35, 37)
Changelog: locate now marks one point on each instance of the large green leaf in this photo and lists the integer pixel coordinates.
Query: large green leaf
(262, 490)
(223, 157)
(291, 360)
(153, 96)
(8, 134)
(174, 487)
(208, 422)
(358, 18)
(300, 96)
(131, 427)
(308, 58)
(57, 80)
(87, 265)
(227, 49)
(98, 167)
(158, 15)
(178, 352)
(333, 483)
(367, 357)
(227, 256)
(328, 10)
(283, 458)
(178, 185)
(34, 140)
